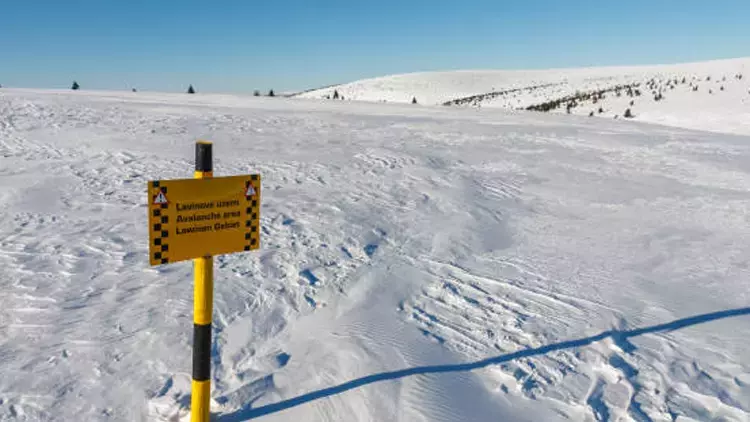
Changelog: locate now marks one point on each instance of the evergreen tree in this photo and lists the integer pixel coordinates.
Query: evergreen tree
(271, 94)
(414, 100)
(256, 93)
(134, 90)
(75, 86)
(191, 90)
(628, 114)
(335, 94)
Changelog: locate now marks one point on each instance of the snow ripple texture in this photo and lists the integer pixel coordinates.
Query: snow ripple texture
(393, 238)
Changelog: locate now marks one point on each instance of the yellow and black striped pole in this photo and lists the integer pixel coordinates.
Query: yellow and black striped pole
(203, 299)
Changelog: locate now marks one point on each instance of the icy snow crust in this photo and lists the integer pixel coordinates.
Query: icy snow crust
(417, 264)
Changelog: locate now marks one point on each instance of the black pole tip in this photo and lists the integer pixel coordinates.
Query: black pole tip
(204, 156)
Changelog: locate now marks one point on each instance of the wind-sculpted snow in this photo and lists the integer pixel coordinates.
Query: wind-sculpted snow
(417, 264)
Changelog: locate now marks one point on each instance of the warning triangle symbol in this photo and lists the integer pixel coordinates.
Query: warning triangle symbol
(160, 198)
(250, 190)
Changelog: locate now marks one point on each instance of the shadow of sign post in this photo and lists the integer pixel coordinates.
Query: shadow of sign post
(620, 337)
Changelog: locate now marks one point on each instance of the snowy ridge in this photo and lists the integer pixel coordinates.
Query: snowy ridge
(721, 104)
(417, 263)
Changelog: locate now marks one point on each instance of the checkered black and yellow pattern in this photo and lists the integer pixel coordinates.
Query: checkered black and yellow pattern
(159, 225)
(252, 222)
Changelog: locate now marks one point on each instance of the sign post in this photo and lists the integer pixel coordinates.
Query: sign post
(203, 304)
(197, 219)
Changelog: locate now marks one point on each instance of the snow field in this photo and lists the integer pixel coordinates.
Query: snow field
(394, 238)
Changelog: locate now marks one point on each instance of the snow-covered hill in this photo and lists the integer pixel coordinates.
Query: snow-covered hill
(711, 95)
(417, 264)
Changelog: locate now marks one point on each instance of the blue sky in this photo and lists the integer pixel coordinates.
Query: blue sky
(238, 46)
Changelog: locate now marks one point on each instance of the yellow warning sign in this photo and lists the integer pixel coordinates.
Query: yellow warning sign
(192, 218)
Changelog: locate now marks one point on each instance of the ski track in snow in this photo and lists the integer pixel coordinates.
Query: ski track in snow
(392, 237)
